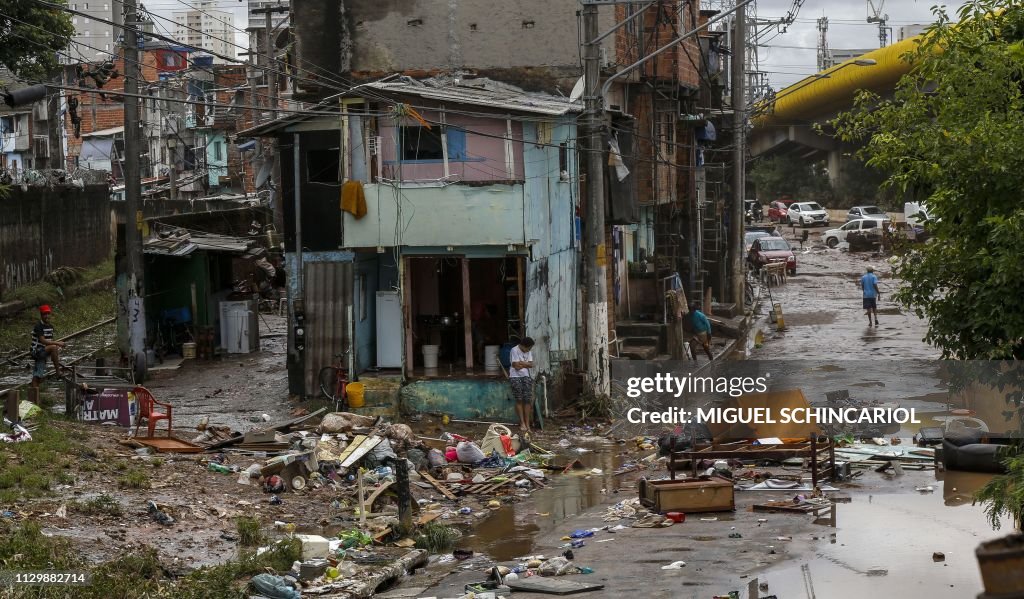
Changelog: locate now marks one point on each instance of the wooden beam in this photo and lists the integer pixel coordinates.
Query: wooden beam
(467, 316)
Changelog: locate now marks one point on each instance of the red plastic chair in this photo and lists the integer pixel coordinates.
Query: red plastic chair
(148, 410)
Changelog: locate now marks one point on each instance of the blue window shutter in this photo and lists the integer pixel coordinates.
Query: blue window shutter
(456, 144)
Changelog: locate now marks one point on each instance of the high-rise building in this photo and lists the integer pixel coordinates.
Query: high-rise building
(93, 40)
(260, 20)
(207, 28)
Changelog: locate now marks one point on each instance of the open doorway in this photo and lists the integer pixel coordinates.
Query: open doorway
(460, 312)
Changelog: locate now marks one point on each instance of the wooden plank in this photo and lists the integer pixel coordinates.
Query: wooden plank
(368, 502)
(356, 442)
(296, 421)
(437, 485)
(363, 449)
(427, 517)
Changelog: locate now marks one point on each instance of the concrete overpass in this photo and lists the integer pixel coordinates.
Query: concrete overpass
(787, 127)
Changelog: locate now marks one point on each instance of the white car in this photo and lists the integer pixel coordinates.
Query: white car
(834, 237)
(806, 214)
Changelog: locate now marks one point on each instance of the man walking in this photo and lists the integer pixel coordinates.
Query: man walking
(44, 346)
(869, 287)
(522, 382)
(701, 331)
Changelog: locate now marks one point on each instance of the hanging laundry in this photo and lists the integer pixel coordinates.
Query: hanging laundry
(615, 159)
(353, 200)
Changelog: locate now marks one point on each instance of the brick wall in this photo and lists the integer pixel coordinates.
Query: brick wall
(660, 25)
(42, 229)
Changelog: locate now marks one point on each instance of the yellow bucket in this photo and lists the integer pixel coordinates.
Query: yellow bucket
(356, 394)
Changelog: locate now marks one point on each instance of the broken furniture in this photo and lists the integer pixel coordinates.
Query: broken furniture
(818, 451)
(693, 496)
(148, 409)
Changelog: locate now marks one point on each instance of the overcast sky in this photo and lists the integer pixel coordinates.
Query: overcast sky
(793, 55)
(787, 57)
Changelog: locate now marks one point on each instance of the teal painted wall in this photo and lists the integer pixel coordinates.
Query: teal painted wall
(216, 167)
(467, 399)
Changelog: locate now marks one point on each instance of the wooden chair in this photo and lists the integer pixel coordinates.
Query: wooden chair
(148, 409)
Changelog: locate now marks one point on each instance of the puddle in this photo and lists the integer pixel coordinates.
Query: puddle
(511, 531)
(884, 544)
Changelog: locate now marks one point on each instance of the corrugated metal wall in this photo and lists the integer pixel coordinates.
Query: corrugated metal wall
(327, 295)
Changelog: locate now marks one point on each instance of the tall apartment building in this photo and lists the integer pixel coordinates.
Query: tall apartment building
(91, 32)
(207, 28)
(260, 20)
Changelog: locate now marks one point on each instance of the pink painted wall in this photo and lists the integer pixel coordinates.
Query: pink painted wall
(485, 150)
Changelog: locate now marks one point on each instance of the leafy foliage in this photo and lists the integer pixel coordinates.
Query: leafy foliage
(952, 136)
(1003, 496)
(31, 35)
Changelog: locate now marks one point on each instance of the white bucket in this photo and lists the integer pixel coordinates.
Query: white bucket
(491, 357)
(430, 356)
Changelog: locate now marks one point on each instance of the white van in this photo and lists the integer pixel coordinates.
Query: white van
(912, 212)
(833, 237)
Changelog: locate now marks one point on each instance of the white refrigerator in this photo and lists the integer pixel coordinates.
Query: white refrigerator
(389, 329)
(239, 327)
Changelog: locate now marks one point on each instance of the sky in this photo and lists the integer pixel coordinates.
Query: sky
(793, 55)
(787, 57)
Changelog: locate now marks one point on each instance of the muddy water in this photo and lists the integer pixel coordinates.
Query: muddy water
(884, 544)
(511, 531)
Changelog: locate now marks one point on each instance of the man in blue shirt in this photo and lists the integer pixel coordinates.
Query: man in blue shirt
(869, 286)
(701, 331)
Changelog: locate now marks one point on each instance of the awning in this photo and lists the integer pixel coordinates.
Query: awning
(105, 132)
(98, 149)
(249, 145)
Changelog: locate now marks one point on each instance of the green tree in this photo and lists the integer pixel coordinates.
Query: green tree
(31, 35)
(952, 135)
(781, 176)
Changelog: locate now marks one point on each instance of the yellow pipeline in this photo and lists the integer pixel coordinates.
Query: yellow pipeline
(805, 99)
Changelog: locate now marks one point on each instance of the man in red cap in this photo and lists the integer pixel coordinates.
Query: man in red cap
(44, 346)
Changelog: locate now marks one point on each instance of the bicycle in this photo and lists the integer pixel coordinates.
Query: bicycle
(334, 382)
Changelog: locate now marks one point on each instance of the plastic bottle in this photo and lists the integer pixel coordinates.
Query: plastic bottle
(214, 467)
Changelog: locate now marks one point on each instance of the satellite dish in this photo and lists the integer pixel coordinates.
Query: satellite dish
(264, 174)
(577, 91)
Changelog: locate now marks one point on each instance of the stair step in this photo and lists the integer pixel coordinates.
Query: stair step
(643, 352)
(639, 329)
(640, 341)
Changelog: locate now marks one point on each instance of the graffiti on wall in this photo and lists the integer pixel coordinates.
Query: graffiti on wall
(18, 274)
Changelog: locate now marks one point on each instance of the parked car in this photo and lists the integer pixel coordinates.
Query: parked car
(750, 236)
(834, 237)
(767, 250)
(806, 214)
(778, 211)
(858, 212)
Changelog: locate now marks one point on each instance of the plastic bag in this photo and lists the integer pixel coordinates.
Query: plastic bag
(498, 439)
(274, 587)
(469, 453)
(557, 566)
(343, 422)
(436, 459)
(379, 455)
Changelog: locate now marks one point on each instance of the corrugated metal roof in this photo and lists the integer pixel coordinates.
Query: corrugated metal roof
(479, 92)
(182, 243)
(105, 132)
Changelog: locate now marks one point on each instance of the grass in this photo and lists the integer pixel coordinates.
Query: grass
(250, 531)
(437, 538)
(135, 574)
(32, 468)
(71, 311)
(134, 479)
(100, 505)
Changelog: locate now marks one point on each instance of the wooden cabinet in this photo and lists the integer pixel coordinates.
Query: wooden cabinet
(691, 496)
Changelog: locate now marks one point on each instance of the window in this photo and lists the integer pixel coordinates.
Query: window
(106, 7)
(420, 143)
(74, 20)
(563, 158)
(107, 48)
(322, 166)
(85, 21)
(86, 6)
(870, 224)
(217, 151)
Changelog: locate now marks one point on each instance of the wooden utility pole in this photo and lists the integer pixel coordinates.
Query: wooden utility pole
(597, 380)
(739, 124)
(133, 309)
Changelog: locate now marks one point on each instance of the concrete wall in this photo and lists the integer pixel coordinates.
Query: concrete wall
(42, 229)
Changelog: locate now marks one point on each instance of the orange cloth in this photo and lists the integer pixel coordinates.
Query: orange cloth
(352, 199)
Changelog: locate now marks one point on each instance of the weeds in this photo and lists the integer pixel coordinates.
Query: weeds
(250, 531)
(134, 479)
(437, 538)
(100, 505)
(31, 469)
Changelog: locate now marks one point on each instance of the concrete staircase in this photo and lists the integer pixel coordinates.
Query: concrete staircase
(640, 340)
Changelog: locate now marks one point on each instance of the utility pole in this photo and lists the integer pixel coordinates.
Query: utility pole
(597, 381)
(134, 308)
(269, 58)
(739, 127)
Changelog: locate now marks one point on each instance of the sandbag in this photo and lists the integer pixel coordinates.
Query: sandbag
(498, 439)
(469, 453)
(343, 422)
